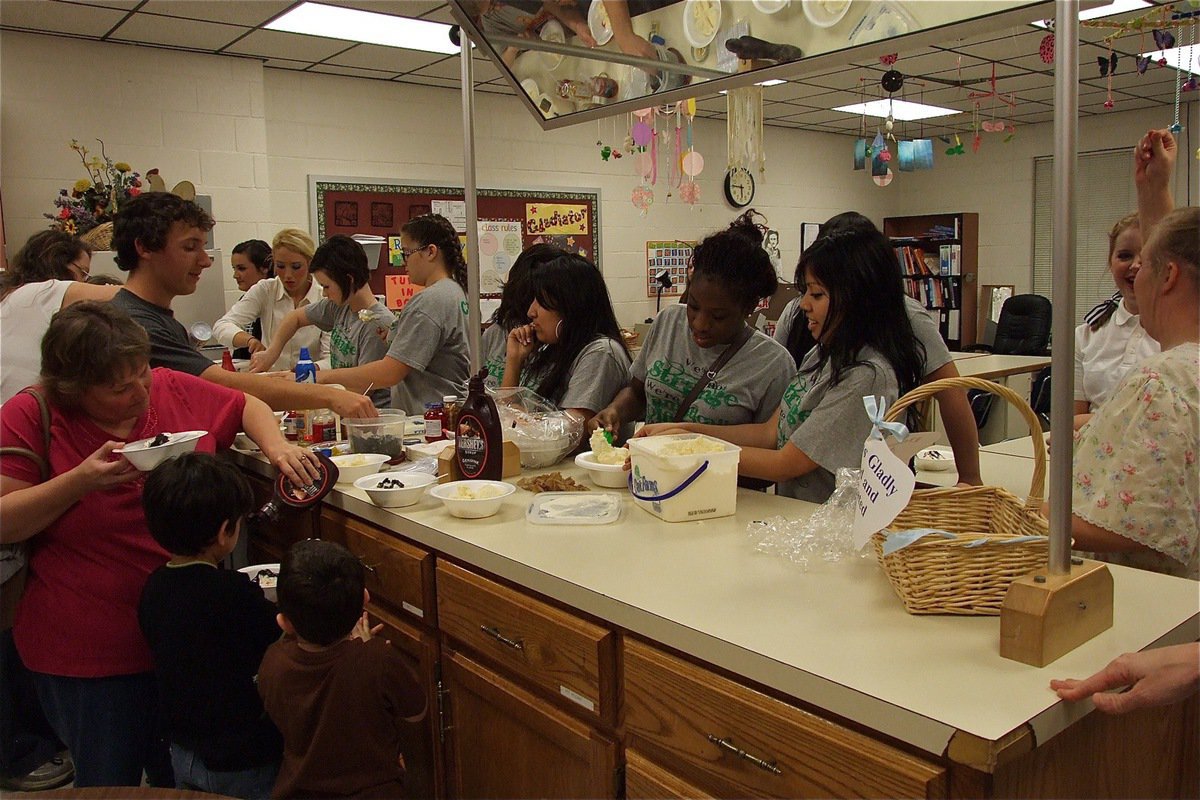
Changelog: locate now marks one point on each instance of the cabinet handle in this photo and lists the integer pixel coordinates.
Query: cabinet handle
(502, 639)
(727, 744)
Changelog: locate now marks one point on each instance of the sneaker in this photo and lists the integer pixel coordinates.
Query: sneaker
(56, 772)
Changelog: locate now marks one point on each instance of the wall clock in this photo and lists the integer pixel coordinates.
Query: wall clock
(739, 187)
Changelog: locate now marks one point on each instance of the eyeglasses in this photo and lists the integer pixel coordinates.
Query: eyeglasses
(410, 251)
(80, 270)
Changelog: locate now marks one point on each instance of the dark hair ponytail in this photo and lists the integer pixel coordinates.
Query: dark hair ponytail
(735, 258)
(436, 230)
(259, 253)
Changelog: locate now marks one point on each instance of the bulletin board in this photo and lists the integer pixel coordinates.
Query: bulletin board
(673, 256)
(509, 221)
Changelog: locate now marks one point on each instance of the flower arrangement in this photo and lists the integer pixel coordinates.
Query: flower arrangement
(94, 200)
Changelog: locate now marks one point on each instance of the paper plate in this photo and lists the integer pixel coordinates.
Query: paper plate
(701, 21)
(598, 23)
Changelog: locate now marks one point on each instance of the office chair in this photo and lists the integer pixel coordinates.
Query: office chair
(1023, 330)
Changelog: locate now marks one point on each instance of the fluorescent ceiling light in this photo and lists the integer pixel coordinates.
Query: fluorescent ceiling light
(901, 109)
(1177, 58)
(772, 82)
(1116, 7)
(334, 22)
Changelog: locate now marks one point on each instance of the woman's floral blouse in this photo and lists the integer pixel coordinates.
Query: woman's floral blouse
(1135, 470)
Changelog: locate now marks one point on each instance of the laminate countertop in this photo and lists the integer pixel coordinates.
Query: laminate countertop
(835, 636)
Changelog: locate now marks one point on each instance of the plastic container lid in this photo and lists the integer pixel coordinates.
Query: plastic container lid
(574, 508)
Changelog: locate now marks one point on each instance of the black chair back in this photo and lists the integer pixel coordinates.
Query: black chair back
(1024, 326)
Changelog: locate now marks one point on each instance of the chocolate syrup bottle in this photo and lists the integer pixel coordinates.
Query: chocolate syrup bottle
(478, 441)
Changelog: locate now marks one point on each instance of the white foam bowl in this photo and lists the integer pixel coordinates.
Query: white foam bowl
(468, 508)
(409, 494)
(145, 456)
(935, 459)
(611, 476)
(599, 24)
(825, 13)
(253, 570)
(770, 6)
(691, 30)
(358, 465)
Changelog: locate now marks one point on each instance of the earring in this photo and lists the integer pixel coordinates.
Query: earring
(558, 330)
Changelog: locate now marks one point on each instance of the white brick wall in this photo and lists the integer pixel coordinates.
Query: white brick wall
(250, 137)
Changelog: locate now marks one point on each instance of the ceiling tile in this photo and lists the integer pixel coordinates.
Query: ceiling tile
(286, 63)
(294, 46)
(419, 9)
(38, 15)
(176, 32)
(376, 56)
(250, 14)
(353, 72)
(123, 5)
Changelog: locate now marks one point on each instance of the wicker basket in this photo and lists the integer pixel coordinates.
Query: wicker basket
(942, 576)
(99, 237)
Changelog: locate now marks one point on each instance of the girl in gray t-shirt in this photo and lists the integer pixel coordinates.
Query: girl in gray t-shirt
(854, 303)
(731, 274)
(571, 351)
(360, 326)
(513, 312)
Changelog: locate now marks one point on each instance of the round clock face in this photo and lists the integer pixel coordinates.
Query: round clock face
(739, 187)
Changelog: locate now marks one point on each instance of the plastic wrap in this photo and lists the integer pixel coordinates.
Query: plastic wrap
(825, 535)
(543, 432)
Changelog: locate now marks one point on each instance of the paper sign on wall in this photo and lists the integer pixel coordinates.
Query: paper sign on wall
(499, 246)
(453, 210)
(555, 218)
(399, 289)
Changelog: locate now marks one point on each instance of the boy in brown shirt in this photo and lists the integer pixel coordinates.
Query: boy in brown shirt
(339, 697)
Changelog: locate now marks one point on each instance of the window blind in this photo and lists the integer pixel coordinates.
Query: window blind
(1104, 194)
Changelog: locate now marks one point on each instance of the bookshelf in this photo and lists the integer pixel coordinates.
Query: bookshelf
(938, 257)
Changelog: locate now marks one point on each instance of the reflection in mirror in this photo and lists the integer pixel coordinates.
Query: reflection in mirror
(595, 57)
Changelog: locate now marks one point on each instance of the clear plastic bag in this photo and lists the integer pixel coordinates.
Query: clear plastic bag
(825, 535)
(543, 432)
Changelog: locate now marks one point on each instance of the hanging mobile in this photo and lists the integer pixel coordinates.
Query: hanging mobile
(1176, 127)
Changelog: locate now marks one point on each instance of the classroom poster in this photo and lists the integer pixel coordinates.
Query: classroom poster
(453, 210)
(548, 218)
(499, 246)
(398, 290)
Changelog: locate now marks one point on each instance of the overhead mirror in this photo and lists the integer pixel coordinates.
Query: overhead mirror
(575, 60)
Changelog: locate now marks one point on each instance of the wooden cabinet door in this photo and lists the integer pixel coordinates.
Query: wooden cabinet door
(503, 742)
(418, 741)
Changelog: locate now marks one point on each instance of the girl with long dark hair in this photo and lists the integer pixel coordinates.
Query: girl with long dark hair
(854, 305)
(428, 356)
(571, 351)
(513, 312)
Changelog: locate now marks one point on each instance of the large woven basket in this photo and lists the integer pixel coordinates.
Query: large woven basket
(942, 576)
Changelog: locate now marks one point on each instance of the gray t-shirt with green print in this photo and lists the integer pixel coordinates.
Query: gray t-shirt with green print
(493, 346)
(431, 338)
(355, 338)
(829, 423)
(747, 389)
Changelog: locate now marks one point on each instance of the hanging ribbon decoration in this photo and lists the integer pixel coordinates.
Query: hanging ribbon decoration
(692, 163)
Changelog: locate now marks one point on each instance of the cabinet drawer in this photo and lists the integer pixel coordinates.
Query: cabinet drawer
(399, 574)
(567, 656)
(645, 780)
(729, 739)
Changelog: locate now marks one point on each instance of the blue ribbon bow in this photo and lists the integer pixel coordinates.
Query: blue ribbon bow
(876, 409)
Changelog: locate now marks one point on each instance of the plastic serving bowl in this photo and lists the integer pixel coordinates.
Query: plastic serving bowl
(414, 485)
(451, 495)
(701, 21)
(825, 13)
(536, 454)
(145, 455)
(254, 569)
(357, 465)
(612, 476)
(935, 459)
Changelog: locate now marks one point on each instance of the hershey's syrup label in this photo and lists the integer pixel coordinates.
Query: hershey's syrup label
(470, 446)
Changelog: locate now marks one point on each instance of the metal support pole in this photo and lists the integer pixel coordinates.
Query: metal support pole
(1066, 148)
(474, 320)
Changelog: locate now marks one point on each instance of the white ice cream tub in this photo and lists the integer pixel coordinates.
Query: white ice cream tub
(680, 487)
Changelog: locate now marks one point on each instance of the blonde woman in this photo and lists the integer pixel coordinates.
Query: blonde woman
(1111, 341)
(271, 300)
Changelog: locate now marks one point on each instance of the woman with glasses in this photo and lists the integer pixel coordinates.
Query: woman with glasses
(272, 299)
(46, 275)
(428, 357)
(571, 352)
(731, 273)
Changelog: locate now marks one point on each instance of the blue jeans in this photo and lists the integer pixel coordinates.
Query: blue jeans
(26, 739)
(111, 726)
(191, 773)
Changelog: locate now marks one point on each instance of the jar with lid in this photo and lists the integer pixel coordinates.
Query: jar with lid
(436, 422)
(323, 427)
(452, 404)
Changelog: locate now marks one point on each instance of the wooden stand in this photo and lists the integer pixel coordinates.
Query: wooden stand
(1046, 616)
